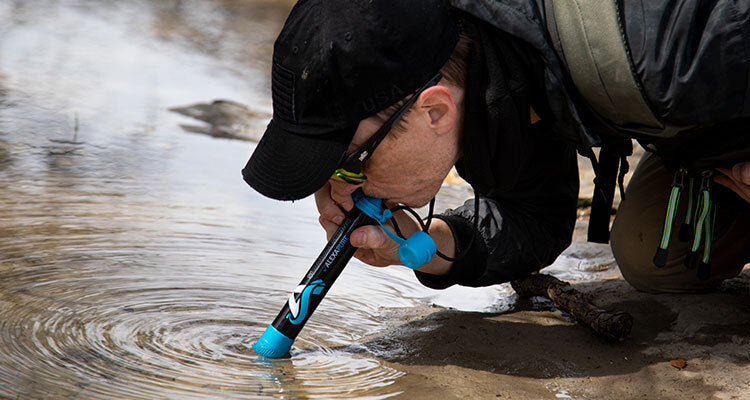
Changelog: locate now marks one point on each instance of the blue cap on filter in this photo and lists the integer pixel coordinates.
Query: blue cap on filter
(417, 250)
(273, 344)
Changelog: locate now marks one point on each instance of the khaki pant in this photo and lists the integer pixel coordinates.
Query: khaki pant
(637, 230)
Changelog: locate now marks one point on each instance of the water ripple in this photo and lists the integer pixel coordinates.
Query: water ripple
(160, 342)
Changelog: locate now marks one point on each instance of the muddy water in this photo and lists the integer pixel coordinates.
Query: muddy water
(134, 262)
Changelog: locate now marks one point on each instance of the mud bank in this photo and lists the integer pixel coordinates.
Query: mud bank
(528, 353)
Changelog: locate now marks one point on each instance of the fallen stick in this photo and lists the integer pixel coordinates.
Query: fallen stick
(613, 325)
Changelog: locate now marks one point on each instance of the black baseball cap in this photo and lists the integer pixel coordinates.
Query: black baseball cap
(335, 63)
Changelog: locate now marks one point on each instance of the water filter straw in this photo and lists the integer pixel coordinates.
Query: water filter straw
(280, 334)
(413, 252)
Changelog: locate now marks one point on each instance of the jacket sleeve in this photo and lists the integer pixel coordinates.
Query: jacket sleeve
(521, 230)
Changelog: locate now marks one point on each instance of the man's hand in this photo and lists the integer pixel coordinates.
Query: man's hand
(375, 247)
(737, 179)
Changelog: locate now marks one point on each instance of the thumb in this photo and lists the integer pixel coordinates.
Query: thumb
(369, 237)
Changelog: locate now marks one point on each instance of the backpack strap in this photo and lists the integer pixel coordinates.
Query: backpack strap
(612, 157)
(590, 38)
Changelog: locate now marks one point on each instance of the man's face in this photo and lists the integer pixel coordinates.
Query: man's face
(409, 165)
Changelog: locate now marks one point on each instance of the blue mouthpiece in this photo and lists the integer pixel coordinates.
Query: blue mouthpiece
(273, 344)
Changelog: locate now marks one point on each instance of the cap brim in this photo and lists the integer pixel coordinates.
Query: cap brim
(288, 166)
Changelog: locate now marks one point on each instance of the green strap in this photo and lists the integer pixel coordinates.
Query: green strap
(704, 204)
(674, 199)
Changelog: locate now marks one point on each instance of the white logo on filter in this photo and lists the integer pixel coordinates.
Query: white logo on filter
(294, 304)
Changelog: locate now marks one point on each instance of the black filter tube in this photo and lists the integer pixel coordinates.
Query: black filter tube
(280, 334)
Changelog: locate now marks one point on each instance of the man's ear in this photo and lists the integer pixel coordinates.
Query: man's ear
(440, 108)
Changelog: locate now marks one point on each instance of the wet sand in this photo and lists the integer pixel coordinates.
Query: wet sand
(543, 354)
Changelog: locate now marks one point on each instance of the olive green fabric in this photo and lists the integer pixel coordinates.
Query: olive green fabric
(594, 49)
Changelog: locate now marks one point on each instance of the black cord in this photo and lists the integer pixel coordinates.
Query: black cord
(425, 226)
(413, 213)
(462, 254)
(429, 215)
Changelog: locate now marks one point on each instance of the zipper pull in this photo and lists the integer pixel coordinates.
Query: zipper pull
(660, 258)
(702, 224)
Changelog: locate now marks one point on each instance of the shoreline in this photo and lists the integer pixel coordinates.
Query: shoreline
(534, 352)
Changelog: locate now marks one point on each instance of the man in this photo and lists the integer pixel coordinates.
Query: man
(387, 96)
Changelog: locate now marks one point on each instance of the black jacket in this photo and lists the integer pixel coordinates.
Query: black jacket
(692, 59)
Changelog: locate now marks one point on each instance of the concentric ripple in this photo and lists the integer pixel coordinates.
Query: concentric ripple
(160, 342)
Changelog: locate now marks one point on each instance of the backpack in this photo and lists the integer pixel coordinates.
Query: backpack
(589, 36)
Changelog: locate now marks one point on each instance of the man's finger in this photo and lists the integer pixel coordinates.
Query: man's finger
(741, 172)
(328, 208)
(329, 226)
(343, 199)
(742, 190)
(369, 237)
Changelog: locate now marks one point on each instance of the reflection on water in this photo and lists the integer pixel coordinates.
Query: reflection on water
(134, 262)
(142, 339)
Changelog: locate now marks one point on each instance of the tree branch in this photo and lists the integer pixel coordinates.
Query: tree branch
(613, 325)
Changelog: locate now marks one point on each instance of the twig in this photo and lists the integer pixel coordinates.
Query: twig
(613, 325)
